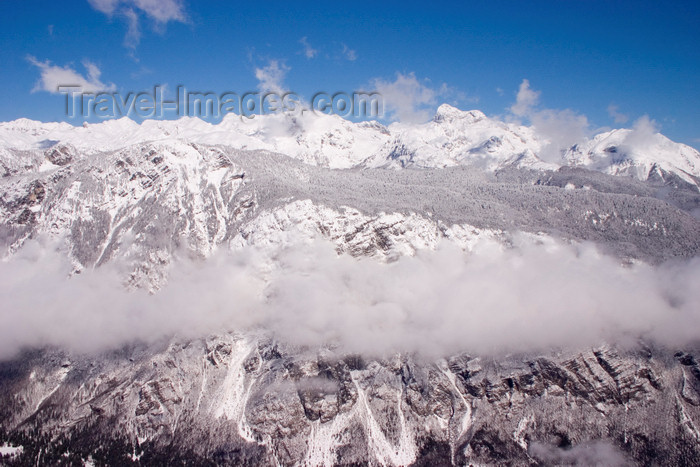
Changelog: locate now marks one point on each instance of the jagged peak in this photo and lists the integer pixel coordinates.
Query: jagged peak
(446, 112)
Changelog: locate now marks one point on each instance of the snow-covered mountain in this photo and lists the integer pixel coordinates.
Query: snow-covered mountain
(453, 137)
(139, 200)
(645, 156)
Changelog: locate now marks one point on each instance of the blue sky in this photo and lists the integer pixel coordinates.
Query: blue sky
(612, 62)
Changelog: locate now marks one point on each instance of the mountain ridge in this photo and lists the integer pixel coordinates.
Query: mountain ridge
(452, 137)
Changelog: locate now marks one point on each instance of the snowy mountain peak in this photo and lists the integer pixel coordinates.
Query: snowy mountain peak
(448, 113)
(639, 153)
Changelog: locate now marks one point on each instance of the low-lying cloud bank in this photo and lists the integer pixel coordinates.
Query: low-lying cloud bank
(527, 298)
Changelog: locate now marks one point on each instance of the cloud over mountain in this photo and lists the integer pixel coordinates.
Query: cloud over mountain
(494, 300)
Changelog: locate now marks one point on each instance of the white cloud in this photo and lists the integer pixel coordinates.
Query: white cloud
(309, 52)
(526, 298)
(105, 6)
(645, 133)
(159, 11)
(133, 33)
(526, 100)
(53, 76)
(349, 53)
(559, 129)
(616, 115)
(646, 125)
(271, 77)
(406, 98)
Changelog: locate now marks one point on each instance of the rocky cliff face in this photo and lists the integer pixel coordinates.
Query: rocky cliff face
(234, 399)
(241, 398)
